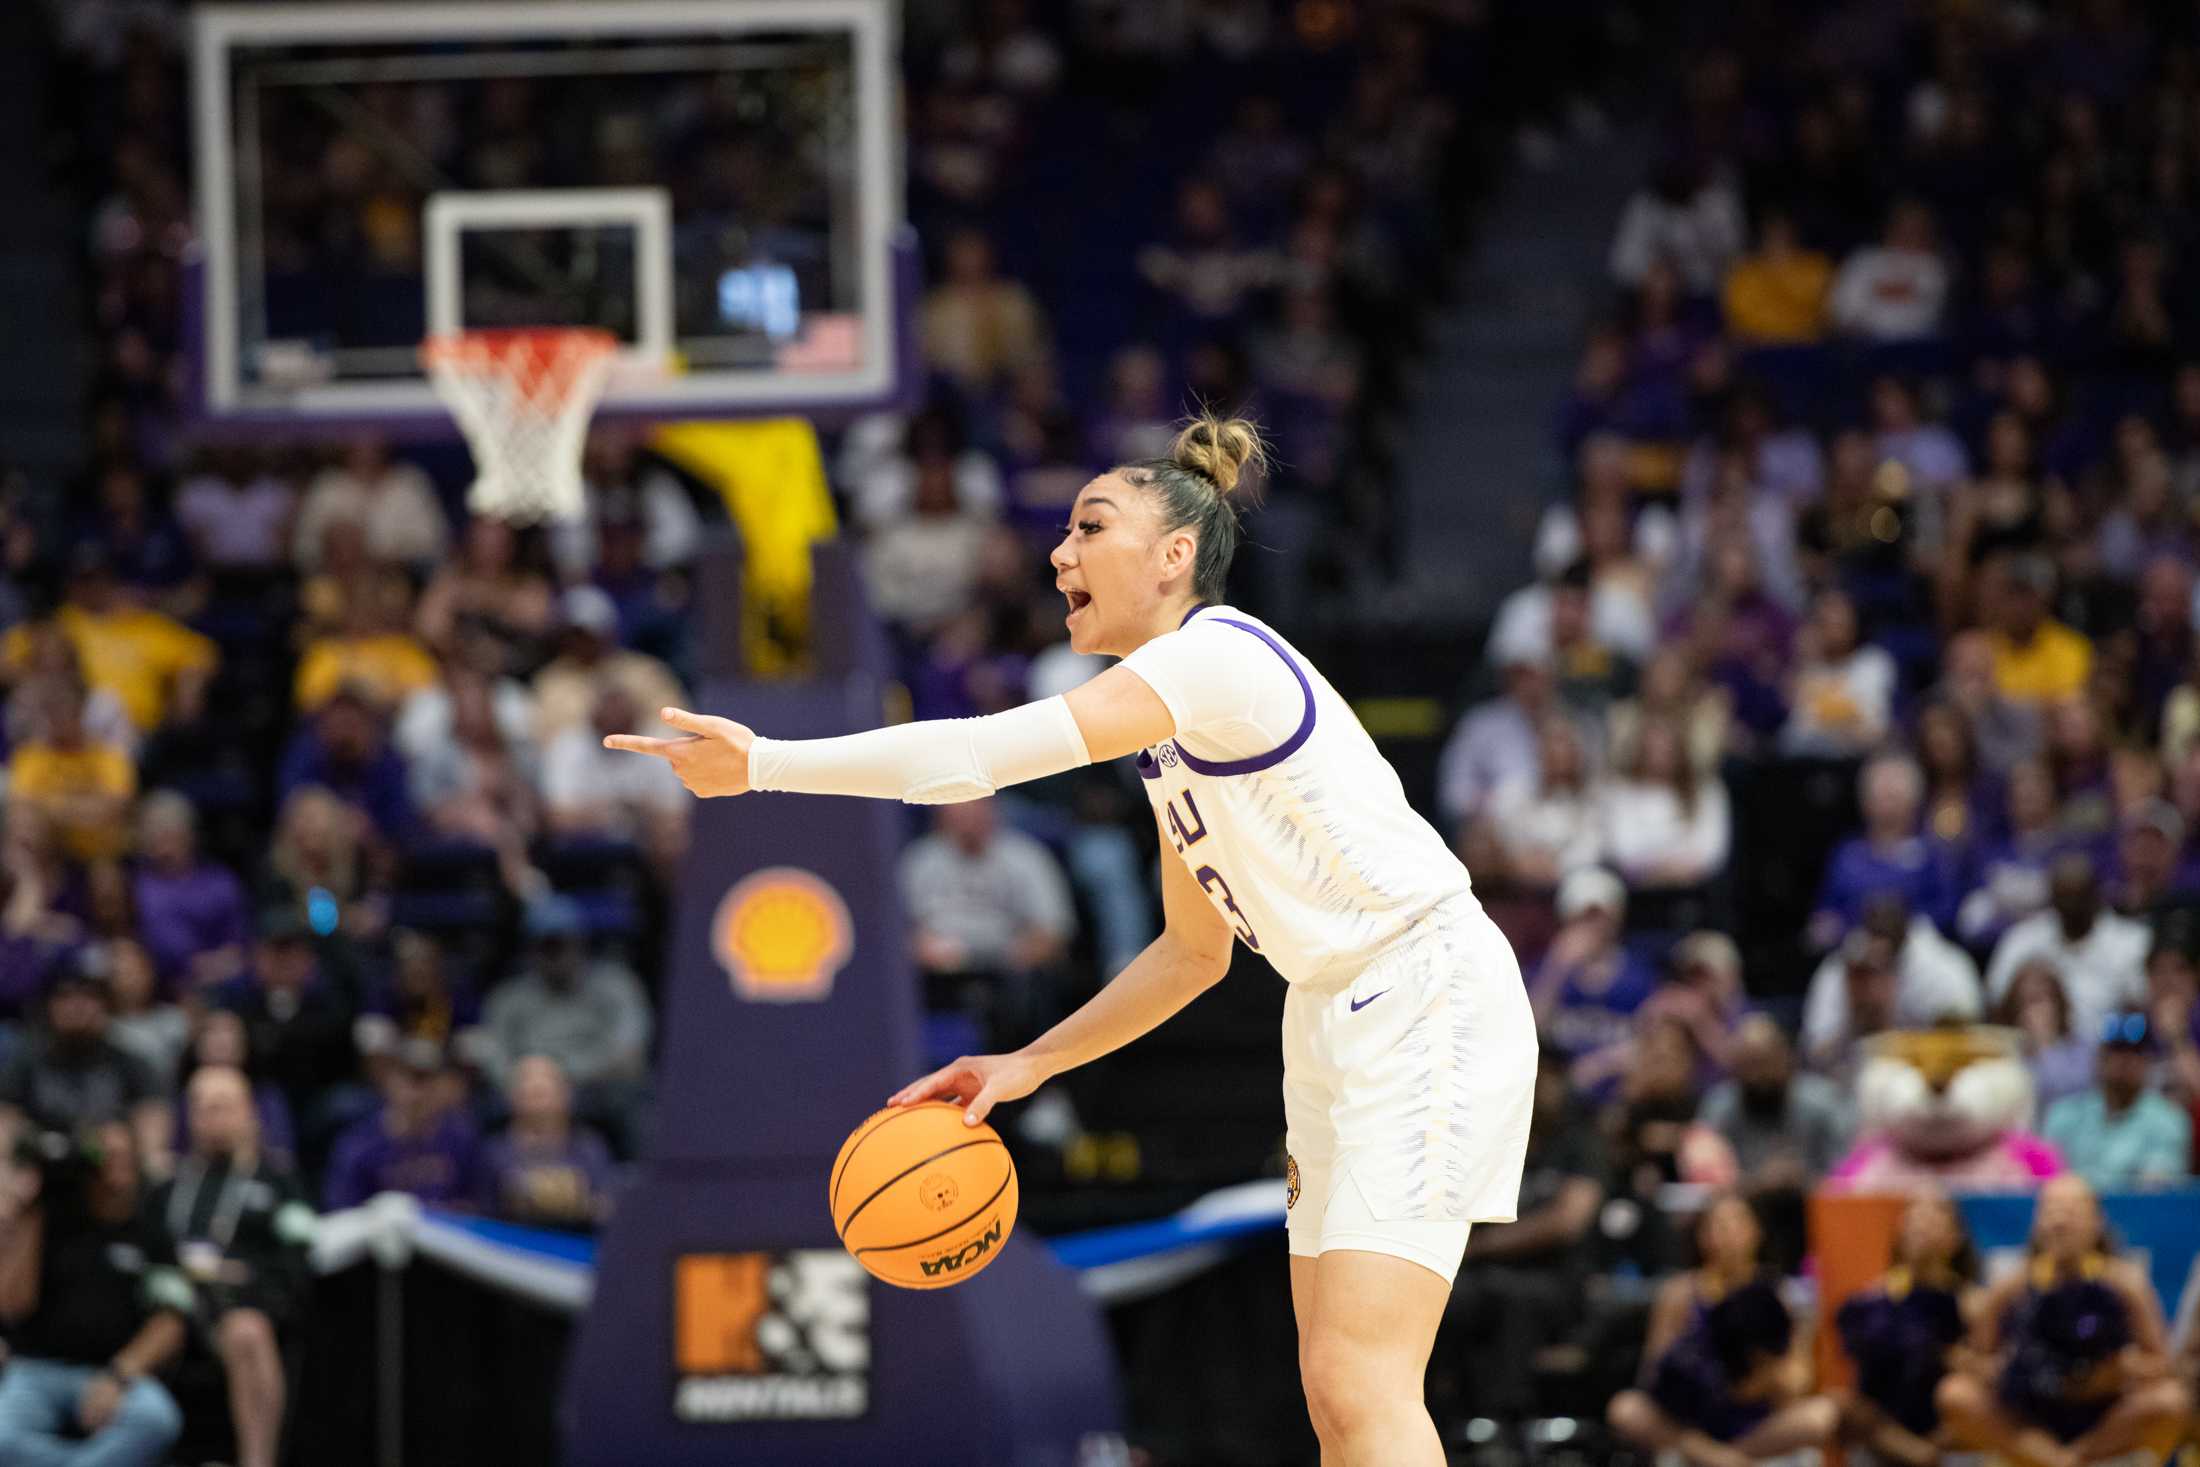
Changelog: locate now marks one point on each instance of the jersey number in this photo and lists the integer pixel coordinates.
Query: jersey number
(1191, 833)
(1211, 880)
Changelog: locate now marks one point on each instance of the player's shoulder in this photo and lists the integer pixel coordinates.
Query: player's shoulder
(1228, 627)
(1220, 616)
(1211, 620)
(1205, 631)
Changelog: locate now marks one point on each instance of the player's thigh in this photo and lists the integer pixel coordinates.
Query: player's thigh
(1304, 1286)
(1376, 1318)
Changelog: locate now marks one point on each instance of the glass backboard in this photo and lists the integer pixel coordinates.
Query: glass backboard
(713, 181)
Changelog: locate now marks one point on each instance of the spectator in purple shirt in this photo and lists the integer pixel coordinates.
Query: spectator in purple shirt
(416, 1143)
(1742, 634)
(1668, 332)
(1591, 405)
(2008, 881)
(1588, 986)
(191, 913)
(544, 1169)
(343, 750)
(1890, 855)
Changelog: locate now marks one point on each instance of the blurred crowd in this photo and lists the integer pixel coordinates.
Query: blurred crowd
(1879, 470)
(1866, 633)
(307, 812)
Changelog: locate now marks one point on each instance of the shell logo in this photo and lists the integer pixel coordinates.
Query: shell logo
(781, 934)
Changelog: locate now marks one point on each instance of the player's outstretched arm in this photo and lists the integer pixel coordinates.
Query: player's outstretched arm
(1189, 957)
(936, 762)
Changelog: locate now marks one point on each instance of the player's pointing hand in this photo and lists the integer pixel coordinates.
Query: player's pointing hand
(711, 758)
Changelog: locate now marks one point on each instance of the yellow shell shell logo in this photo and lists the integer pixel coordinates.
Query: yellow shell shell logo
(781, 934)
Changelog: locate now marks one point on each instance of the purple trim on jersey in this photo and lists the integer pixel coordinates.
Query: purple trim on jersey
(1283, 750)
(1147, 768)
(1196, 608)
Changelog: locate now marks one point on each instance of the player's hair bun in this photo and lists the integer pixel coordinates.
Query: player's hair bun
(1219, 449)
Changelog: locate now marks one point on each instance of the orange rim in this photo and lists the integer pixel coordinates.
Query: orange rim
(545, 363)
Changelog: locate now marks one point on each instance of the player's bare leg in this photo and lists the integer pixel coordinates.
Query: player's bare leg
(1304, 1284)
(1363, 1356)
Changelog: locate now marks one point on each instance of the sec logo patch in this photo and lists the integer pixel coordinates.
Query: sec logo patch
(1168, 756)
(782, 934)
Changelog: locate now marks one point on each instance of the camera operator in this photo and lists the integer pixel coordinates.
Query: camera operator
(93, 1303)
(241, 1229)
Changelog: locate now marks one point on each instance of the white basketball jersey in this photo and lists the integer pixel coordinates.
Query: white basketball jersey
(1306, 845)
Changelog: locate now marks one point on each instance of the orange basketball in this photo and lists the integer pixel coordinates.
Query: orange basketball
(921, 1199)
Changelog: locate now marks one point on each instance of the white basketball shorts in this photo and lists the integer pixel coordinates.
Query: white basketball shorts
(1407, 1094)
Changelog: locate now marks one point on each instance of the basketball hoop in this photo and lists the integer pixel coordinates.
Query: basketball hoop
(523, 399)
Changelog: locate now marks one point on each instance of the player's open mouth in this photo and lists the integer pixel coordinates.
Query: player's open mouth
(1078, 601)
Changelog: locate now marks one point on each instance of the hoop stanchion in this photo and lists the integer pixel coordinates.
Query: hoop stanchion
(523, 400)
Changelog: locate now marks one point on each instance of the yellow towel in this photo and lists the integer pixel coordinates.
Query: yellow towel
(772, 478)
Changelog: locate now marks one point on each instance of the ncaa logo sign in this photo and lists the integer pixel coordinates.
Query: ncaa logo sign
(781, 934)
(771, 1336)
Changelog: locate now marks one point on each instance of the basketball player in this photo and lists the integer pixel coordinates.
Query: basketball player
(1409, 1046)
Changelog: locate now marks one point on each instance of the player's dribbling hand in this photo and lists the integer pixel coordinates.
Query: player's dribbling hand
(977, 1083)
(712, 759)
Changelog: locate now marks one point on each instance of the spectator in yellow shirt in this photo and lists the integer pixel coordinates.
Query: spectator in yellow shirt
(158, 667)
(1777, 296)
(83, 788)
(373, 652)
(2037, 659)
(978, 326)
(50, 656)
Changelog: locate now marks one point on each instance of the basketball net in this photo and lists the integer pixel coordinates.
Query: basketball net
(523, 399)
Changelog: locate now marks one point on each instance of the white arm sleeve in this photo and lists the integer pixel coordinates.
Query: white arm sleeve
(938, 762)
